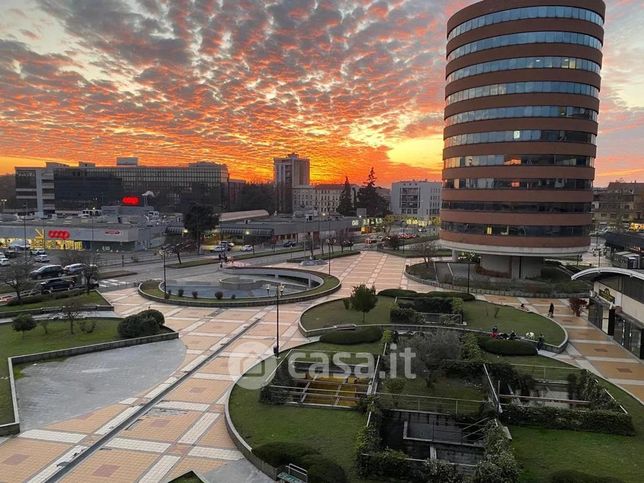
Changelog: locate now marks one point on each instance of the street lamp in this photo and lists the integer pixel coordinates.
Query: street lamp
(279, 291)
(163, 253)
(3, 201)
(24, 227)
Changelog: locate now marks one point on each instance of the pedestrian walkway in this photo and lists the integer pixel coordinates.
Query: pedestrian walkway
(185, 429)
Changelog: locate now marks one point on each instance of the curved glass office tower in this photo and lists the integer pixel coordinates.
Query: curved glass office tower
(523, 79)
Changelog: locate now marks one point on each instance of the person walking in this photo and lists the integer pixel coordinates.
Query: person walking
(551, 310)
(540, 342)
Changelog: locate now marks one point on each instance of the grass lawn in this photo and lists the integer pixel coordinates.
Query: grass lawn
(333, 313)
(543, 451)
(480, 315)
(92, 298)
(443, 387)
(12, 343)
(331, 431)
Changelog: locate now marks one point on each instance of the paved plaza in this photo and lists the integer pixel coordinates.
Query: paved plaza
(185, 428)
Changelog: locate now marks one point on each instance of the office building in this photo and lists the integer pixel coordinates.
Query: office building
(618, 206)
(617, 305)
(172, 188)
(416, 199)
(523, 80)
(288, 173)
(321, 198)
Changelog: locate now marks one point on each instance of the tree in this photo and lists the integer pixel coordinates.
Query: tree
(432, 348)
(369, 198)
(23, 323)
(395, 387)
(428, 250)
(308, 242)
(387, 222)
(72, 312)
(363, 299)
(255, 196)
(394, 242)
(17, 276)
(88, 259)
(198, 220)
(345, 205)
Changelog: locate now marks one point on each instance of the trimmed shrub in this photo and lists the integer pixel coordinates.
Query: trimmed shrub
(347, 304)
(155, 314)
(278, 453)
(348, 337)
(397, 292)
(23, 323)
(233, 296)
(586, 388)
(195, 294)
(435, 305)
(469, 370)
(470, 350)
(575, 419)
(464, 296)
(167, 294)
(322, 470)
(573, 476)
(507, 347)
(403, 315)
(180, 292)
(219, 295)
(499, 463)
(137, 326)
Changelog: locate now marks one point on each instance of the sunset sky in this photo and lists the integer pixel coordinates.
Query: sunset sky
(347, 83)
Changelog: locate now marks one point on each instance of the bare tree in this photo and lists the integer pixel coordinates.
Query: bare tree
(72, 312)
(428, 250)
(17, 276)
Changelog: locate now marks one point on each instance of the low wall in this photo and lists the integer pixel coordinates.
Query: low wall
(509, 293)
(304, 296)
(14, 427)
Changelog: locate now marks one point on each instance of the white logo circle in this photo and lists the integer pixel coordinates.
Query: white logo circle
(254, 363)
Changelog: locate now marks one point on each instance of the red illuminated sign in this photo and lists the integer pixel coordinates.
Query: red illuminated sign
(131, 200)
(58, 234)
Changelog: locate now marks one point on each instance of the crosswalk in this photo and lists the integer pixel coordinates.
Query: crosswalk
(111, 283)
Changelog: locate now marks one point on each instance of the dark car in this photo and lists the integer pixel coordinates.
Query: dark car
(56, 285)
(47, 271)
(347, 243)
(289, 244)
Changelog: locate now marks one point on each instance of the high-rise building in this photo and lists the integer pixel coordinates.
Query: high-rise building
(523, 80)
(61, 187)
(288, 173)
(417, 199)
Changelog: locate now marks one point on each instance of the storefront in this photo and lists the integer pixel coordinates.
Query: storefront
(617, 305)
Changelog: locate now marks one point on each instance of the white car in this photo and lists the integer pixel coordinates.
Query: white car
(219, 249)
(246, 248)
(42, 258)
(4, 262)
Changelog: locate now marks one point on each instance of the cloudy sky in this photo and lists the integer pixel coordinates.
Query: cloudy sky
(348, 83)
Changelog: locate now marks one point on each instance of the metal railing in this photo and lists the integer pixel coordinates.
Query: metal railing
(439, 405)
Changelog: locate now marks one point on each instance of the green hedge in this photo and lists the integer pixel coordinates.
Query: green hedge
(572, 476)
(507, 347)
(397, 292)
(434, 305)
(138, 325)
(363, 335)
(36, 299)
(320, 469)
(574, 419)
(154, 314)
(403, 315)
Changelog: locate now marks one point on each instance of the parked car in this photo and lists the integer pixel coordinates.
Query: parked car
(41, 258)
(38, 251)
(47, 271)
(74, 268)
(56, 285)
(246, 248)
(229, 244)
(347, 243)
(4, 262)
(289, 243)
(219, 249)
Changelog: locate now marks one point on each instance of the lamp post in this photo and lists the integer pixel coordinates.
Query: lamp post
(279, 290)
(468, 276)
(3, 202)
(329, 241)
(320, 235)
(163, 253)
(24, 228)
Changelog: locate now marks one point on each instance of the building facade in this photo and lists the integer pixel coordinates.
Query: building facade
(617, 305)
(418, 199)
(173, 188)
(619, 205)
(322, 198)
(288, 173)
(523, 80)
